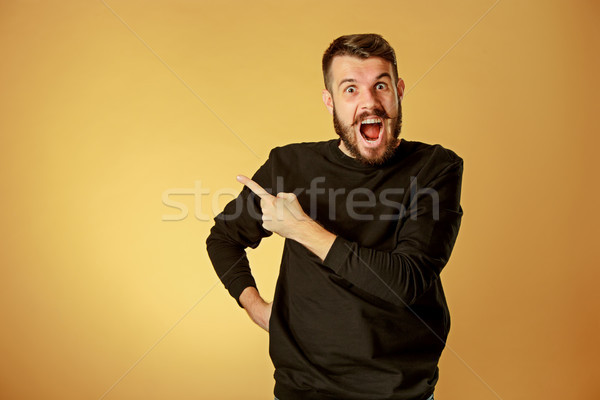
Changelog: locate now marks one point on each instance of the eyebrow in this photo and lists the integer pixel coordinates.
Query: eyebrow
(351, 80)
(383, 75)
(346, 80)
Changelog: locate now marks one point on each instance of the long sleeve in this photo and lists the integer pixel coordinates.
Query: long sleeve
(342, 325)
(425, 239)
(238, 227)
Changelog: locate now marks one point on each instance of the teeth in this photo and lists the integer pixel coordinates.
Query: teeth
(371, 121)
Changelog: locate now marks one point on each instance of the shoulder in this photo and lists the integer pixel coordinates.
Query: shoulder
(431, 153)
(432, 161)
(300, 150)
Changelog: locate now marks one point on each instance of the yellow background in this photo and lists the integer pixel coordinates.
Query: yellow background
(102, 112)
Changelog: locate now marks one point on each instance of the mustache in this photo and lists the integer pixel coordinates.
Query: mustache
(378, 112)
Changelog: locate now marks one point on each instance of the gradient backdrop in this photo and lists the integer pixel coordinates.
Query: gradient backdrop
(108, 108)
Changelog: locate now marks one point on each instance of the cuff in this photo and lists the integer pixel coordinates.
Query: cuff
(338, 254)
(237, 287)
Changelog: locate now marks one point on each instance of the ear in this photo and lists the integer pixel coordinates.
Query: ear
(328, 100)
(400, 88)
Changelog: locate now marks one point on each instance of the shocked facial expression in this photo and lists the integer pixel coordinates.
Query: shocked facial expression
(364, 100)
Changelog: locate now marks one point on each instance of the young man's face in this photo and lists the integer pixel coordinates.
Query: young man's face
(365, 103)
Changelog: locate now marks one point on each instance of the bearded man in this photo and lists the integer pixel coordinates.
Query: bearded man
(369, 221)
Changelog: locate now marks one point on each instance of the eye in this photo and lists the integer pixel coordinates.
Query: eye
(381, 86)
(350, 89)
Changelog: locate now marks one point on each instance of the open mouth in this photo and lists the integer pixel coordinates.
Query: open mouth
(370, 129)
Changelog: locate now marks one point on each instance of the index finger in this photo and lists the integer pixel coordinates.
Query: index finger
(255, 187)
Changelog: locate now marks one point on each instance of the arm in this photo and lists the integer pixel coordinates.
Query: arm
(424, 244)
(258, 310)
(239, 226)
(400, 276)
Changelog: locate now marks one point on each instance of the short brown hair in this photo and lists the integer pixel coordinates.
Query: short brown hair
(362, 46)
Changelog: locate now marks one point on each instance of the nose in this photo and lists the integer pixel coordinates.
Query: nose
(368, 99)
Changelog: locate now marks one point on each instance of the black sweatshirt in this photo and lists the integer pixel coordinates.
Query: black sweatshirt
(370, 321)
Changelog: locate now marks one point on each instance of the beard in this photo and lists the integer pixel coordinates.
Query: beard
(347, 135)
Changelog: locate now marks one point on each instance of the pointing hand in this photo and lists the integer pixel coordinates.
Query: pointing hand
(282, 214)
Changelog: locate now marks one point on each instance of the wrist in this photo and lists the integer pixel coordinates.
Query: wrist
(303, 229)
(314, 237)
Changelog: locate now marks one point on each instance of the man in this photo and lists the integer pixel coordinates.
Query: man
(370, 221)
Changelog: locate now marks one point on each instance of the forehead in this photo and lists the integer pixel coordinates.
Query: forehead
(359, 69)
